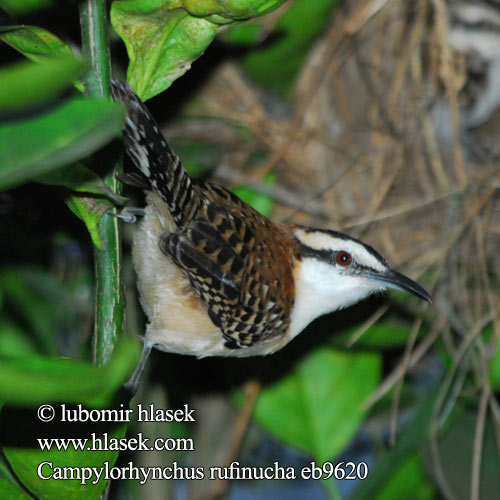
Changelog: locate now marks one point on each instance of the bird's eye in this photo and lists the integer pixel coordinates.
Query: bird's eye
(344, 258)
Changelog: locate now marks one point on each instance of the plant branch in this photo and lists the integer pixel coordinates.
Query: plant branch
(110, 298)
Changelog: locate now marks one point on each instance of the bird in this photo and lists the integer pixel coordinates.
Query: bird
(216, 277)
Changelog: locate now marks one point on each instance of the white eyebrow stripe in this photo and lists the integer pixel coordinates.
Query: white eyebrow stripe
(330, 242)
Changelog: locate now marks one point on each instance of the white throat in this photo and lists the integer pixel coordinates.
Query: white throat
(320, 289)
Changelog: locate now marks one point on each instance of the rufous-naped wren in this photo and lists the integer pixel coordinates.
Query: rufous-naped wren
(217, 278)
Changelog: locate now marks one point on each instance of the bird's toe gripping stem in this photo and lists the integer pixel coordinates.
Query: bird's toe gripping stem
(128, 214)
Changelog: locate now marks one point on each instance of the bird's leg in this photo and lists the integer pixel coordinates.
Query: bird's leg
(129, 214)
(132, 384)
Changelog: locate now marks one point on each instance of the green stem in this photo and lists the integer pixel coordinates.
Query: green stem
(110, 297)
(94, 24)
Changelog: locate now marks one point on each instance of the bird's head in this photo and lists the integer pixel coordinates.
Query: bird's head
(336, 271)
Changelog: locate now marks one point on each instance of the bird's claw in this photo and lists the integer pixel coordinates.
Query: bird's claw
(128, 214)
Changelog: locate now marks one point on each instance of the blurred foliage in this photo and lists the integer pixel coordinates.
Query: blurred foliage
(35, 379)
(381, 335)
(289, 44)
(44, 131)
(495, 371)
(400, 471)
(27, 84)
(66, 133)
(407, 480)
(455, 446)
(30, 319)
(260, 201)
(21, 7)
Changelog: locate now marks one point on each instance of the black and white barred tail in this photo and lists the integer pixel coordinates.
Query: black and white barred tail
(151, 154)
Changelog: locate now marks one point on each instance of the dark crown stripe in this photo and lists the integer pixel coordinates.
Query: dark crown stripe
(322, 254)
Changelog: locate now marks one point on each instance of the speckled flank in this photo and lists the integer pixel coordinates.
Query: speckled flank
(178, 312)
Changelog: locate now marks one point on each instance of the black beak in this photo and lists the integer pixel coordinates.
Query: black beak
(398, 281)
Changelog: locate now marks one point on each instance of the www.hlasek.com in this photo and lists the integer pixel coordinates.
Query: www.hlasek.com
(103, 442)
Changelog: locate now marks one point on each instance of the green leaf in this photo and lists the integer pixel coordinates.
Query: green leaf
(163, 37)
(20, 430)
(246, 33)
(229, 10)
(24, 302)
(35, 43)
(161, 43)
(26, 84)
(90, 211)
(381, 335)
(318, 407)
(276, 63)
(78, 127)
(10, 491)
(408, 480)
(87, 208)
(81, 179)
(262, 202)
(34, 379)
(14, 341)
(41, 306)
(197, 157)
(20, 7)
(495, 371)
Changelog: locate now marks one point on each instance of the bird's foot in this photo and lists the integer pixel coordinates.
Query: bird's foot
(129, 214)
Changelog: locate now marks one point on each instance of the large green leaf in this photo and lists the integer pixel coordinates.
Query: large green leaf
(161, 43)
(19, 434)
(35, 43)
(10, 491)
(33, 146)
(318, 407)
(163, 37)
(35, 379)
(27, 83)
